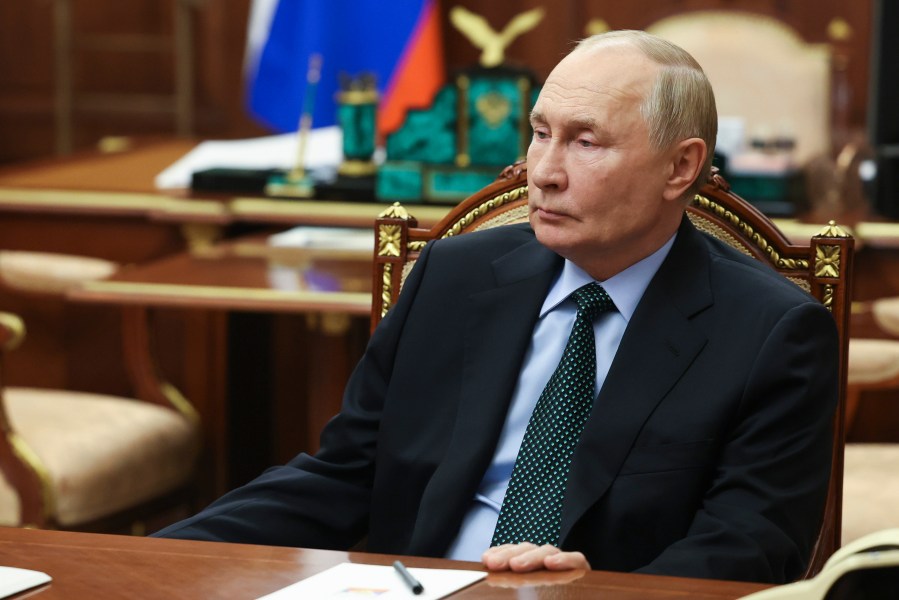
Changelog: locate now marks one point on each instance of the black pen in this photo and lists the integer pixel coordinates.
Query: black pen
(414, 584)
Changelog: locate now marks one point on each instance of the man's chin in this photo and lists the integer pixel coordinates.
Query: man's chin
(552, 236)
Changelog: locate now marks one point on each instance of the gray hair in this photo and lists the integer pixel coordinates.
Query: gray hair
(681, 104)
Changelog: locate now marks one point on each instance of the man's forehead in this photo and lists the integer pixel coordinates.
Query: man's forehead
(616, 70)
(586, 99)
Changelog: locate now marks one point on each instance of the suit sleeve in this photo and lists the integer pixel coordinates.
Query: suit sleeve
(761, 514)
(320, 501)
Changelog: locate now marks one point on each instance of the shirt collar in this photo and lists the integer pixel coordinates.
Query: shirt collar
(624, 288)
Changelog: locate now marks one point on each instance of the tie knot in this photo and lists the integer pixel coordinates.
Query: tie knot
(592, 300)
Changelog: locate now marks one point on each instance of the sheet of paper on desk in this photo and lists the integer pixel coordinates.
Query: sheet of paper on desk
(324, 150)
(328, 238)
(348, 581)
(13, 581)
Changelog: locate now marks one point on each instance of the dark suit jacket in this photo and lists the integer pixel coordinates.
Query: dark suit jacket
(707, 453)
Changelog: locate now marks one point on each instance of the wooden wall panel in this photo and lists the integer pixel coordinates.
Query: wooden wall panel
(809, 18)
(567, 21)
(26, 102)
(27, 66)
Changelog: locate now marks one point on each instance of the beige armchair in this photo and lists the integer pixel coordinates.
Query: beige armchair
(871, 486)
(82, 461)
(762, 71)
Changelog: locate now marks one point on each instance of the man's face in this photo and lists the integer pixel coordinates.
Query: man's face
(597, 189)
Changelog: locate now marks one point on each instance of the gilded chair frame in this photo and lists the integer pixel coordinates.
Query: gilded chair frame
(822, 267)
(28, 475)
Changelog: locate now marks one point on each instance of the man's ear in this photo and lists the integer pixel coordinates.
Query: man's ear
(687, 158)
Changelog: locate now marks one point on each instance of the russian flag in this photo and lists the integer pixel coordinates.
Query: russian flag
(399, 41)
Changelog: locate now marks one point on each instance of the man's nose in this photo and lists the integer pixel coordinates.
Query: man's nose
(546, 165)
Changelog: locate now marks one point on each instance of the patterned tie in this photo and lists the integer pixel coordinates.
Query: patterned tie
(532, 507)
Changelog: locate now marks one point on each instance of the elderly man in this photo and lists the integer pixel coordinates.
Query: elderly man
(605, 387)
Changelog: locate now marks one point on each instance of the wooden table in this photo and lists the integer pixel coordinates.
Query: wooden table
(106, 205)
(243, 274)
(90, 566)
(273, 337)
(122, 183)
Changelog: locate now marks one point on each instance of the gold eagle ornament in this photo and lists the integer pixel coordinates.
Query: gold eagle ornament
(493, 44)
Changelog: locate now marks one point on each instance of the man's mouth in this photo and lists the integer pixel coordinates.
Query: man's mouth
(549, 214)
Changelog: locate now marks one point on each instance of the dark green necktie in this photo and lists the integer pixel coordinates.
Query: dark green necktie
(532, 506)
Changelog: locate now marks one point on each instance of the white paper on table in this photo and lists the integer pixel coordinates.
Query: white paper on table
(349, 581)
(325, 238)
(14, 580)
(324, 150)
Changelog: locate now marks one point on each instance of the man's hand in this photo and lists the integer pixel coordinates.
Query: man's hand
(525, 557)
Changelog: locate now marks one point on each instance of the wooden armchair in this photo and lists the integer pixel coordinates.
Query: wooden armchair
(762, 72)
(82, 461)
(822, 268)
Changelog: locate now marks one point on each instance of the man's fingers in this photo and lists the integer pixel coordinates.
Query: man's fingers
(497, 558)
(532, 559)
(566, 561)
(520, 558)
(526, 557)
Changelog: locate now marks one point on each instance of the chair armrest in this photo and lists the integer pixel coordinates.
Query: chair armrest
(21, 469)
(12, 331)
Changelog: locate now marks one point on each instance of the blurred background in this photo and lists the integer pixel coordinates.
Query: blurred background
(177, 66)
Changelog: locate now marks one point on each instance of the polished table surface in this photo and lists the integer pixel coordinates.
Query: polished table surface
(93, 566)
(122, 183)
(243, 274)
(247, 274)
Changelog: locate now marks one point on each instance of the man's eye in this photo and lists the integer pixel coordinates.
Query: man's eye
(585, 143)
(540, 135)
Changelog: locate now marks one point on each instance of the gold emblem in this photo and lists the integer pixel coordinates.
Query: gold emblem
(494, 107)
(492, 43)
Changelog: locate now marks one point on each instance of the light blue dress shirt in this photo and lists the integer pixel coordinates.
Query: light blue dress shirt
(547, 344)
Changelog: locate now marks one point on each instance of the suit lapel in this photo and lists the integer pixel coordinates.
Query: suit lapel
(501, 319)
(658, 346)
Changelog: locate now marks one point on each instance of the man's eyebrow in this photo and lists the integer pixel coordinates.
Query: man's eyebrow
(577, 124)
(585, 123)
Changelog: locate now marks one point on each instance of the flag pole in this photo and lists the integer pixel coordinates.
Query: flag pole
(313, 75)
(296, 184)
